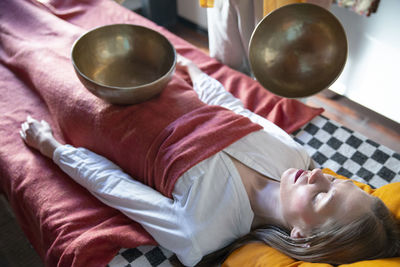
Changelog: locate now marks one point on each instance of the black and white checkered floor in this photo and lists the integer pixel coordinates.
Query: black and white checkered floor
(143, 256)
(331, 146)
(349, 153)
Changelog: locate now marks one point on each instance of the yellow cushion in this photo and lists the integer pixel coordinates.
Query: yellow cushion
(257, 254)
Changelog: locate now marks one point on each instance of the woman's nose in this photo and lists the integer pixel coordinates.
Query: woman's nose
(315, 175)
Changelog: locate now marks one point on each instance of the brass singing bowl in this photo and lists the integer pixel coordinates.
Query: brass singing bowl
(298, 50)
(124, 63)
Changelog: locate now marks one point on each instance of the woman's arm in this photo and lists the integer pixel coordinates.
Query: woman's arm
(212, 92)
(209, 90)
(159, 215)
(100, 176)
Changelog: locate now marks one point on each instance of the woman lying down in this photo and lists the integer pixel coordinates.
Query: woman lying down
(258, 189)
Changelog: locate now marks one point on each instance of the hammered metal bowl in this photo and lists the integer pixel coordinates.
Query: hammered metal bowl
(298, 50)
(124, 63)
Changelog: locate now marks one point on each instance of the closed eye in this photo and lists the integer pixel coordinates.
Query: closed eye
(322, 199)
(318, 197)
(332, 178)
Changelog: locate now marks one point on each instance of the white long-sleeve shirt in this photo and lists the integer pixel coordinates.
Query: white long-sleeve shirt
(210, 207)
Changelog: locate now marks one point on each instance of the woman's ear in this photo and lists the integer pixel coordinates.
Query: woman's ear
(297, 233)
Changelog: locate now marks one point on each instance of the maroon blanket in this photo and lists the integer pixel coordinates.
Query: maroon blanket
(65, 224)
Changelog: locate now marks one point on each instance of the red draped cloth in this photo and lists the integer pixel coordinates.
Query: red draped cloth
(154, 141)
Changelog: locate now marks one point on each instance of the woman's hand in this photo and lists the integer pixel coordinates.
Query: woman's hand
(39, 136)
(188, 66)
(183, 62)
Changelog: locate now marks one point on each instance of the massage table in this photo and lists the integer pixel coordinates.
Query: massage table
(64, 223)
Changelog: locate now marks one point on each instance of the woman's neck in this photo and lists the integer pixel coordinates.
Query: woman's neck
(264, 196)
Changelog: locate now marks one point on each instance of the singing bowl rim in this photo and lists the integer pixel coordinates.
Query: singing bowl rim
(123, 89)
(307, 93)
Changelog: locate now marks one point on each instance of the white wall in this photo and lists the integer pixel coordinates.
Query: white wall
(372, 73)
(191, 10)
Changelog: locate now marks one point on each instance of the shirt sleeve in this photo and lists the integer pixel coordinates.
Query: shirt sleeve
(107, 181)
(212, 92)
(158, 214)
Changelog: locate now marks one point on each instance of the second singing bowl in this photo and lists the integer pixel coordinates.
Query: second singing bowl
(124, 63)
(298, 50)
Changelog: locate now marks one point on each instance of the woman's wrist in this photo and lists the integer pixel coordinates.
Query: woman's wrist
(193, 71)
(48, 145)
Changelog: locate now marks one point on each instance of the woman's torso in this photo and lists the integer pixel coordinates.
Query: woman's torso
(212, 194)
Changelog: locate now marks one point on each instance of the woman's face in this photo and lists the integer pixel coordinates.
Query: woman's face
(311, 199)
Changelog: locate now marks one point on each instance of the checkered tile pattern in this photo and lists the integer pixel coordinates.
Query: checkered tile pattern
(349, 153)
(143, 256)
(331, 146)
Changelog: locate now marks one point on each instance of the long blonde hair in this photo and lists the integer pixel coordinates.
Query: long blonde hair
(374, 235)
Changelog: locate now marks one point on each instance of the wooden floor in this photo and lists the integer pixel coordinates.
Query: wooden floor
(337, 108)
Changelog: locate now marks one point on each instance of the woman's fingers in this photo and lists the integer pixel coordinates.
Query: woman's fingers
(33, 124)
(28, 128)
(183, 61)
(32, 128)
(31, 121)
(45, 123)
(179, 57)
(24, 126)
(38, 135)
(22, 134)
(179, 62)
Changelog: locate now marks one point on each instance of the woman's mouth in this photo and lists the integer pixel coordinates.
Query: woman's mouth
(298, 174)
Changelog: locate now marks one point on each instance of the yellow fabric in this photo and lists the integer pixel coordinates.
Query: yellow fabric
(206, 3)
(257, 254)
